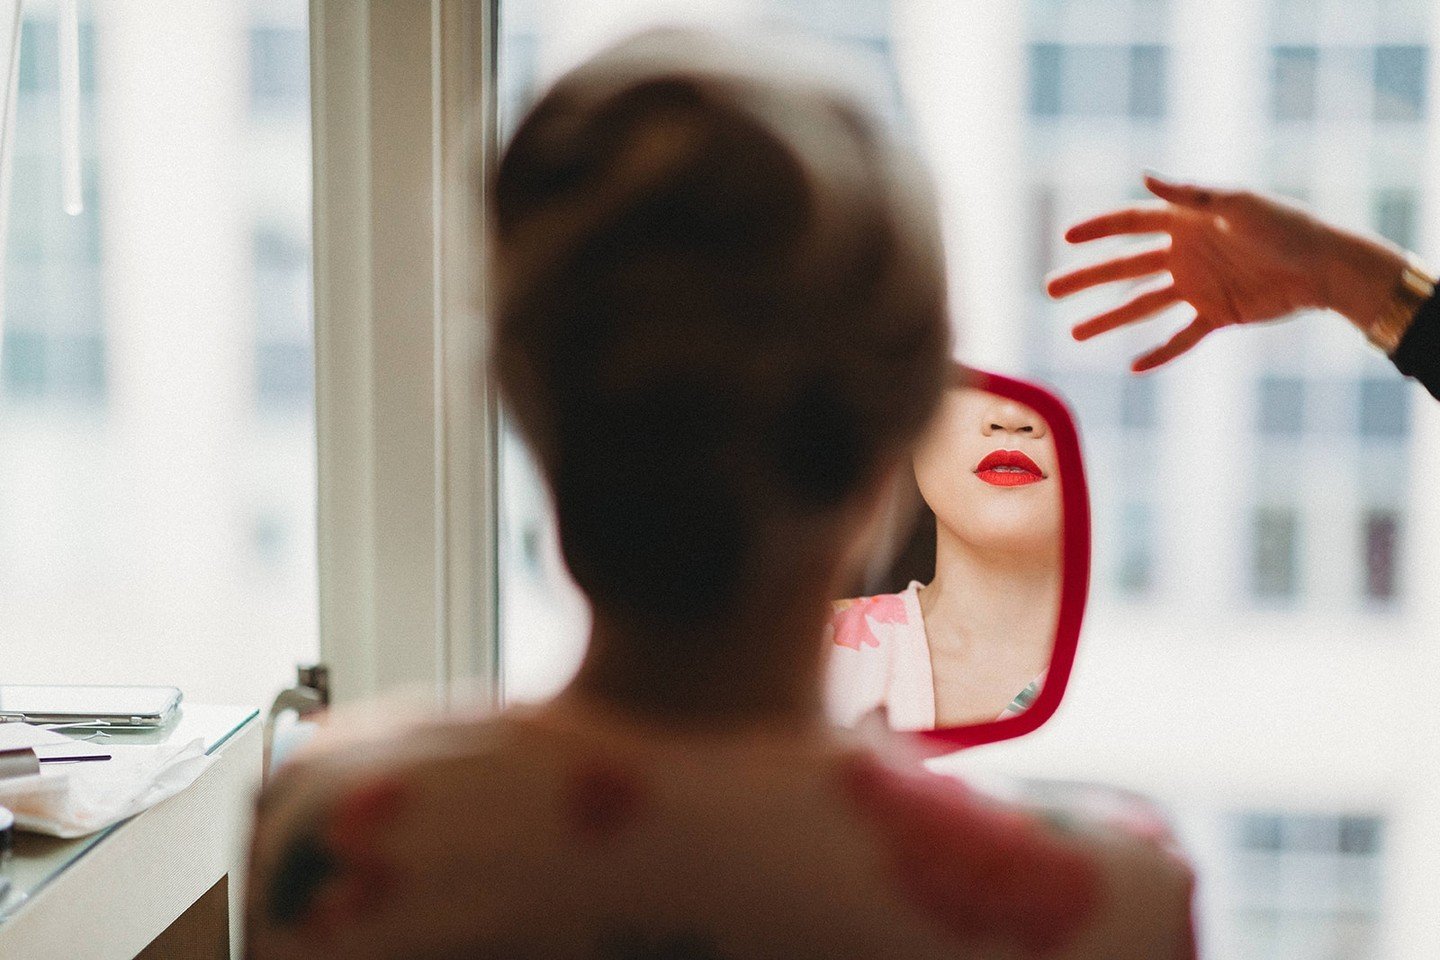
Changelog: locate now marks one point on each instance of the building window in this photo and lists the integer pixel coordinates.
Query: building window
(279, 67)
(1306, 886)
(1400, 82)
(284, 352)
(1293, 83)
(53, 344)
(1045, 66)
(1138, 406)
(1384, 408)
(269, 538)
(1274, 555)
(1135, 569)
(1394, 215)
(1281, 410)
(1147, 81)
(1382, 549)
(39, 56)
(1098, 80)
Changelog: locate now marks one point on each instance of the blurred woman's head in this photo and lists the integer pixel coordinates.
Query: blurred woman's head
(719, 320)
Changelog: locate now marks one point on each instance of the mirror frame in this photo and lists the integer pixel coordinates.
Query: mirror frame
(1075, 556)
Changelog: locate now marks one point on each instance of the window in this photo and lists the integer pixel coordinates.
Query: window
(1135, 572)
(1384, 408)
(1293, 83)
(1400, 82)
(1045, 79)
(1281, 408)
(1138, 403)
(1395, 216)
(1098, 80)
(155, 525)
(1274, 573)
(284, 361)
(1304, 886)
(279, 66)
(1382, 547)
(1147, 81)
(54, 346)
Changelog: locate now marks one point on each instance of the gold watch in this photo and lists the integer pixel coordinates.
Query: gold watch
(1414, 286)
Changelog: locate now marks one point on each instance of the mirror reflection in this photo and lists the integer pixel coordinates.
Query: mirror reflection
(960, 628)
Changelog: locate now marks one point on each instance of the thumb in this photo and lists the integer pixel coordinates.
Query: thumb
(1184, 194)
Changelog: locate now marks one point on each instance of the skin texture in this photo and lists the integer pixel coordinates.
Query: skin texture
(990, 611)
(1023, 521)
(1236, 257)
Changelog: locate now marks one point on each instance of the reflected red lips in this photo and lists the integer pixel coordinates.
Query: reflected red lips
(1009, 468)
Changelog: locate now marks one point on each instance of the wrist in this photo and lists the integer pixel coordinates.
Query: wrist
(1360, 279)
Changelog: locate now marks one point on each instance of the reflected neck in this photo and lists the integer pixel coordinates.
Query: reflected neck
(980, 596)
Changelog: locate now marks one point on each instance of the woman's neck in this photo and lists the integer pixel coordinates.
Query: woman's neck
(761, 667)
(984, 603)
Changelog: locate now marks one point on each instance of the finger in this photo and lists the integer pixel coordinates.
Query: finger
(1121, 268)
(1186, 338)
(1142, 306)
(1131, 220)
(1185, 194)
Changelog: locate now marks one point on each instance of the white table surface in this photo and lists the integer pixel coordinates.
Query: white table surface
(109, 894)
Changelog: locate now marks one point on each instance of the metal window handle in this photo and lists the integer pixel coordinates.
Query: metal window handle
(310, 695)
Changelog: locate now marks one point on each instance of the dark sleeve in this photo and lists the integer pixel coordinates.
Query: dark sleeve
(1418, 354)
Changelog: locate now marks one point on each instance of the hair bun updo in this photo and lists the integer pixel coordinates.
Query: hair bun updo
(718, 299)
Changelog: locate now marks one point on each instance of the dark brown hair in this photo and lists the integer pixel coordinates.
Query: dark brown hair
(719, 300)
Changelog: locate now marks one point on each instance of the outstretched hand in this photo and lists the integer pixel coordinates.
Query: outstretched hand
(1236, 257)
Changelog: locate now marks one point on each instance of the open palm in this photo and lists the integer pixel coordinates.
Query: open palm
(1235, 257)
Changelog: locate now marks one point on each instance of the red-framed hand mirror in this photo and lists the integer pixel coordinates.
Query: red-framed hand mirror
(966, 633)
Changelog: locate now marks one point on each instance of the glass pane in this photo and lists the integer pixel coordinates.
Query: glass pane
(1395, 216)
(1382, 539)
(1274, 561)
(1095, 80)
(1136, 571)
(1384, 408)
(1147, 81)
(1137, 403)
(1294, 83)
(1281, 410)
(1400, 83)
(157, 449)
(1045, 82)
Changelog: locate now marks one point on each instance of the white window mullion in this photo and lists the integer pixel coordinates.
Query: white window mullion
(405, 489)
(466, 36)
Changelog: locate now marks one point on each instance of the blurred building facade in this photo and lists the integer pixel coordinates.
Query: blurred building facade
(157, 452)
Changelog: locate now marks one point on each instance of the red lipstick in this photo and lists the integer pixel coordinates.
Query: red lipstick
(1009, 468)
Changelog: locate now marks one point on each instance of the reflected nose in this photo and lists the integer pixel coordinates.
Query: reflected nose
(1009, 417)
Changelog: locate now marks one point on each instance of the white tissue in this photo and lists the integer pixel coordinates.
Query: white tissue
(72, 800)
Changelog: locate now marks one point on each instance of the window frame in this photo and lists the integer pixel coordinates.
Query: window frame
(403, 119)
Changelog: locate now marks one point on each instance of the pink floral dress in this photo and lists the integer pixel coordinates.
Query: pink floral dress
(880, 662)
(578, 833)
